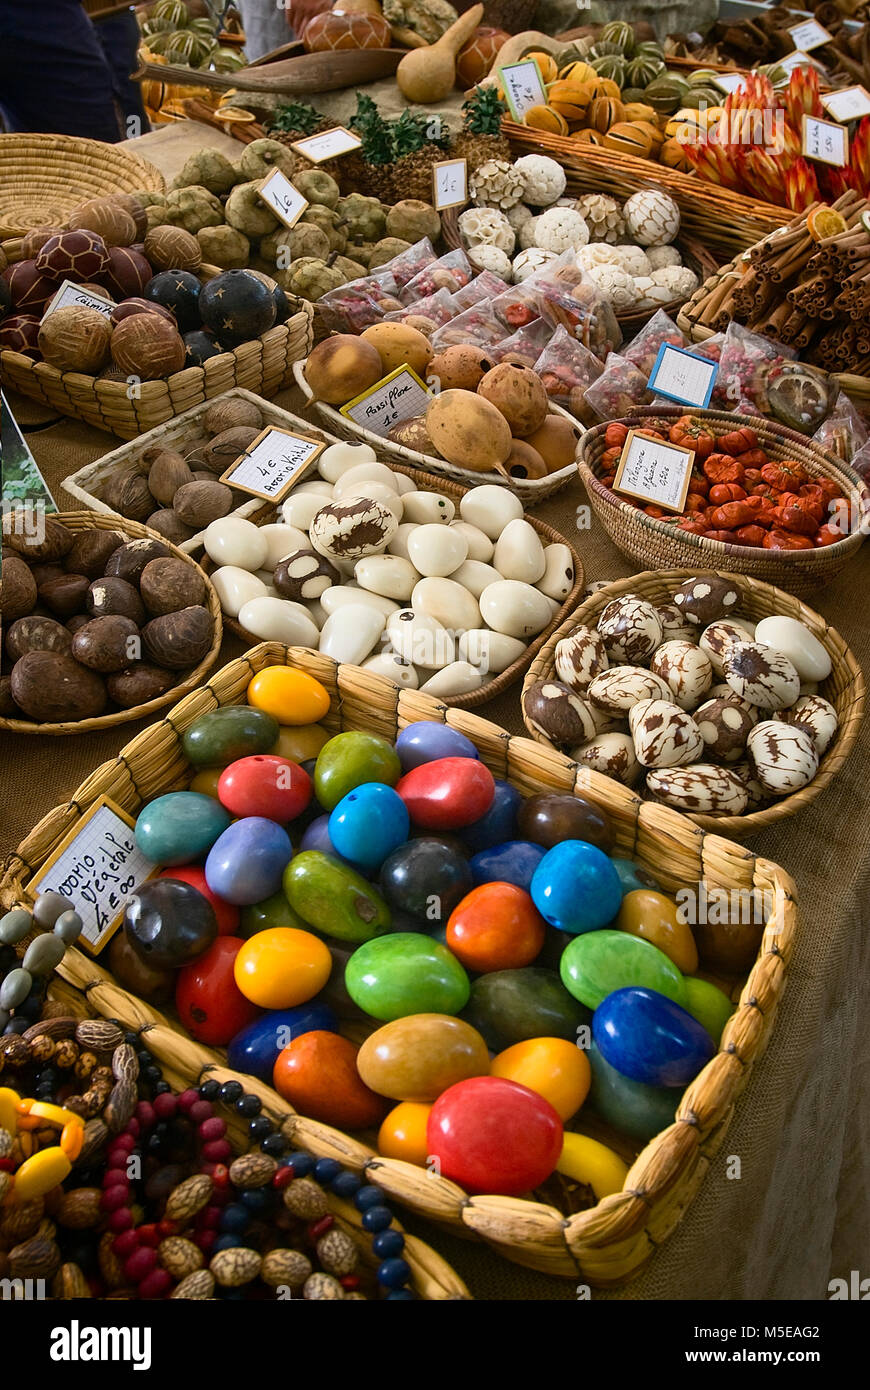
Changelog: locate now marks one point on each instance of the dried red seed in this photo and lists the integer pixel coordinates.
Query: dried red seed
(319, 1228)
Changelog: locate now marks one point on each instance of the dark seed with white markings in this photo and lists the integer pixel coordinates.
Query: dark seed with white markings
(707, 597)
(724, 726)
(761, 676)
(610, 753)
(304, 575)
(685, 669)
(559, 714)
(704, 788)
(631, 630)
(664, 735)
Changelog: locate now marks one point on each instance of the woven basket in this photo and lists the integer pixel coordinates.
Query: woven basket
(90, 521)
(844, 687)
(529, 491)
(653, 544)
(606, 1245)
(43, 177)
(516, 669)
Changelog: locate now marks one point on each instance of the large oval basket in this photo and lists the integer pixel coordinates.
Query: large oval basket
(844, 687)
(43, 177)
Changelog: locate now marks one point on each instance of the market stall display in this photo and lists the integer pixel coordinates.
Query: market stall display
(44, 177)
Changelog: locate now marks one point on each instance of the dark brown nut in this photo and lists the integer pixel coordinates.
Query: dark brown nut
(129, 560)
(166, 475)
(304, 575)
(37, 635)
(42, 573)
(232, 414)
(559, 713)
(128, 493)
(199, 504)
(37, 1258)
(168, 524)
(17, 590)
(77, 621)
(707, 597)
(170, 584)
(156, 986)
(107, 644)
(80, 1208)
(111, 595)
(201, 475)
(51, 687)
(90, 550)
(8, 707)
(69, 1283)
(50, 540)
(224, 449)
(179, 640)
(136, 685)
(66, 595)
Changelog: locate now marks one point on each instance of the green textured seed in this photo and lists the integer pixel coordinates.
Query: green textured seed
(44, 954)
(15, 988)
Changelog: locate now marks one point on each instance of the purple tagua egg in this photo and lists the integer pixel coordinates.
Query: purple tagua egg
(246, 862)
(649, 1038)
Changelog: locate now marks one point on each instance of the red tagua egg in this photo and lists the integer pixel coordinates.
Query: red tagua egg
(29, 290)
(317, 1074)
(209, 1002)
(262, 785)
(227, 914)
(20, 333)
(448, 793)
(494, 1136)
(496, 927)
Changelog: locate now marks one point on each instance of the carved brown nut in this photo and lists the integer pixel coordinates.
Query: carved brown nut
(725, 726)
(558, 713)
(17, 589)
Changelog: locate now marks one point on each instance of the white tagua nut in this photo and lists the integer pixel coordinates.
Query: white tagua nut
(664, 735)
(480, 547)
(234, 541)
(557, 581)
(420, 639)
(459, 678)
(489, 508)
(424, 507)
(394, 667)
(761, 676)
(279, 620)
(580, 657)
(703, 788)
(515, 608)
(491, 652)
(795, 641)
(351, 632)
(353, 481)
(444, 599)
(235, 587)
(783, 755)
(339, 459)
(437, 550)
(387, 575)
(474, 576)
(519, 553)
(818, 717)
(686, 669)
(343, 595)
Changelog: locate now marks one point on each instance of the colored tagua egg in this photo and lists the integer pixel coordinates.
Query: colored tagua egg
(576, 888)
(447, 794)
(206, 782)
(169, 923)
(317, 837)
(246, 863)
(350, 759)
(226, 914)
(264, 785)
(255, 1048)
(513, 861)
(651, 1039)
(419, 1057)
(209, 1002)
(634, 1109)
(282, 967)
(274, 911)
(593, 1164)
(178, 827)
(426, 742)
(224, 735)
(708, 1005)
(510, 1006)
(369, 823)
(499, 823)
(492, 1135)
(403, 1133)
(299, 742)
(552, 817)
(553, 1068)
(425, 880)
(317, 1074)
(597, 963)
(632, 876)
(334, 899)
(291, 697)
(655, 918)
(496, 927)
(406, 973)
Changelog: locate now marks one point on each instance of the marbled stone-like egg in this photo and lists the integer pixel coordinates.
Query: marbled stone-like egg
(761, 676)
(620, 688)
(558, 713)
(685, 669)
(719, 636)
(724, 726)
(707, 597)
(580, 657)
(703, 788)
(818, 717)
(610, 753)
(783, 756)
(630, 629)
(664, 735)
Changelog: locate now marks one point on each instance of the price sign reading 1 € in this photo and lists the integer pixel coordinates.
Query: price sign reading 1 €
(284, 200)
(272, 463)
(523, 87)
(825, 141)
(450, 183)
(399, 396)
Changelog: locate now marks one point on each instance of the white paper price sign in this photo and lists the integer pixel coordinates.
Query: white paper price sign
(72, 295)
(272, 463)
(652, 471)
(523, 87)
(450, 183)
(730, 81)
(683, 377)
(848, 105)
(98, 866)
(825, 141)
(810, 34)
(285, 201)
(799, 60)
(399, 396)
(328, 144)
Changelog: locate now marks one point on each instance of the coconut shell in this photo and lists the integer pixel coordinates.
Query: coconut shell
(107, 218)
(51, 687)
(128, 272)
(231, 413)
(80, 256)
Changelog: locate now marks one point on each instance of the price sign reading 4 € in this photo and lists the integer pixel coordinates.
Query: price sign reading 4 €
(523, 87)
(825, 141)
(272, 463)
(284, 200)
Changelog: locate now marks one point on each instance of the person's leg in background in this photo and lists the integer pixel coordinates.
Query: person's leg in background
(119, 38)
(265, 24)
(53, 73)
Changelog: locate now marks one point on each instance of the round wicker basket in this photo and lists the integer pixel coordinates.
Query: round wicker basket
(844, 688)
(43, 177)
(653, 544)
(89, 521)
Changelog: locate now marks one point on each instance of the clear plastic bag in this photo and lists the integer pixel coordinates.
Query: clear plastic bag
(570, 298)
(483, 286)
(744, 364)
(477, 325)
(526, 345)
(410, 263)
(449, 272)
(356, 305)
(567, 370)
(844, 432)
(643, 349)
(438, 309)
(619, 390)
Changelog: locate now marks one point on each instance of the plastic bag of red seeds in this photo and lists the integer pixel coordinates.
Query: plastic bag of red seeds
(478, 325)
(567, 369)
(408, 264)
(525, 346)
(355, 306)
(483, 286)
(744, 364)
(449, 272)
(437, 309)
(644, 347)
(619, 389)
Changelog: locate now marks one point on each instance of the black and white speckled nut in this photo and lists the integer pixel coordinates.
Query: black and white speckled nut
(761, 676)
(707, 597)
(304, 575)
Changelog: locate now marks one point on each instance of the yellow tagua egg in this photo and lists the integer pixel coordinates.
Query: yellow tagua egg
(654, 917)
(290, 696)
(403, 1133)
(40, 1173)
(282, 967)
(592, 1163)
(299, 742)
(553, 1068)
(206, 782)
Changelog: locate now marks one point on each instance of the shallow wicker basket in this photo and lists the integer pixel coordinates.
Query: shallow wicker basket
(43, 177)
(654, 544)
(844, 687)
(528, 490)
(89, 521)
(606, 1245)
(514, 672)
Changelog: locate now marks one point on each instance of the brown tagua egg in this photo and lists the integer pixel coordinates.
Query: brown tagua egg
(128, 272)
(654, 917)
(342, 367)
(519, 394)
(147, 346)
(75, 339)
(80, 256)
(107, 218)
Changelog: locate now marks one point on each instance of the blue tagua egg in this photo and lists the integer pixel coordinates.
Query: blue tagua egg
(514, 861)
(649, 1038)
(499, 823)
(317, 837)
(576, 888)
(631, 1107)
(256, 1048)
(425, 742)
(246, 863)
(369, 823)
(632, 876)
(180, 827)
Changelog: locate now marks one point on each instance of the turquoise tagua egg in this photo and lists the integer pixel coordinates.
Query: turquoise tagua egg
(632, 876)
(634, 1109)
(649, 1038)
(180, 827)
(406, 973)
(576, 888)
(368, 824)
(599, 962)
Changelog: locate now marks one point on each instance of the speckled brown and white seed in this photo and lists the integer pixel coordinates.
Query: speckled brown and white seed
(579, 657)
(686, 671)
(745, 773)
(304, 575)
(631, 630)
(761, 676)
(707, 597)
(611, 753)
(704, 788)
(675, 627)
(618, 690)
(723, 691)
(352, 529)
(818, 717)
(724, 726)
(718, 637)
(664, 735)
(558, 713)
(783, 756)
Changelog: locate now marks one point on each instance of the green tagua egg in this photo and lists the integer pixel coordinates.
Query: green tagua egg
(511, 1006)
(599, 962)
(406, 973)
(274, 911)
(334, 899)
(630, 1106)
(349, 760)
(179, 827)
(223, 735)
(708, 1005)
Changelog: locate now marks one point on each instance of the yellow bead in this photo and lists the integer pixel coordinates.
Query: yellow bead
(300, 742)
(206, 781)
(554, 1068)
(589, 1162)
(290, 696)
(9, 1109)
(55, 1114)
(40, 1173)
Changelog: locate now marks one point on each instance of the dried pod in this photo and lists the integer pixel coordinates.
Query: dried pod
(90, 551)
(170, 584)
(65, 595)
(199, 504)
(130, 559)
(138, 684)
(17, 589)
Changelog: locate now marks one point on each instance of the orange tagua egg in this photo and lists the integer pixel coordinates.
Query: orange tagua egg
(317, 1074)
(403, 1133)
(654, 917)
(553, 1068)
(282, 967)
(496, 927)
(291, 697)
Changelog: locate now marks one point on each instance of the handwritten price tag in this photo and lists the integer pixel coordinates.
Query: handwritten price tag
(98, 866)
(729, 81)
(523, 87)
(652, 471)
(450, 183)
(71, 294)
(825, 141)
(399, 396)
(683, 377)
(809, 35)
(848, 105)
(799, 60)
(285, 201)
(328, 144)
(272, 463)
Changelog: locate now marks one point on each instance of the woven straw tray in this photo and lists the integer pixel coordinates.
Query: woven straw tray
(43, 177)
(606, 1245)
(844, 688)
